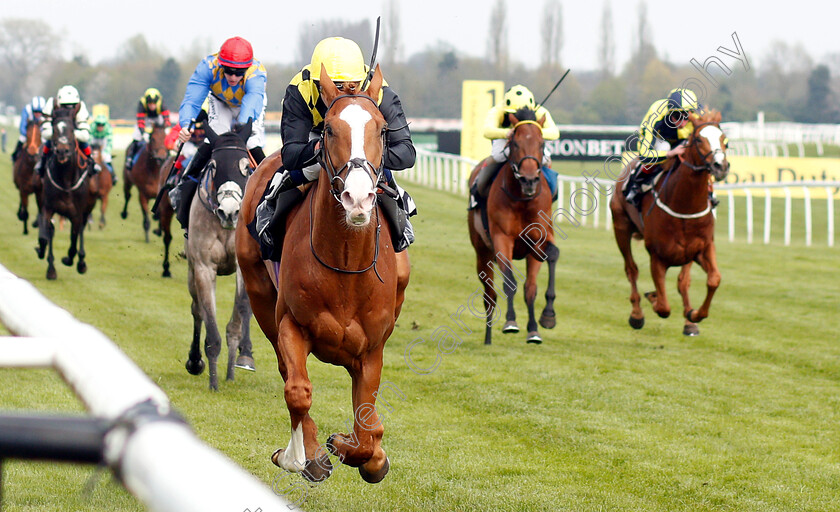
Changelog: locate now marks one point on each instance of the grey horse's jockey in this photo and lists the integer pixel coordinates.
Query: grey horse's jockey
(301, 127)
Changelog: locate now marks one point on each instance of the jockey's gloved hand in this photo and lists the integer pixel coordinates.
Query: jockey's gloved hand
(145, 136)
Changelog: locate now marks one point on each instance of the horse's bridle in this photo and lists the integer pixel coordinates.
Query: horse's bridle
(354, 163)
(514, 166)
(707, 165)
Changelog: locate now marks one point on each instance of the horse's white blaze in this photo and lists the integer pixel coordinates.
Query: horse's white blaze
(294, 458)
(713, 134)
(359, 194)
(229, 197)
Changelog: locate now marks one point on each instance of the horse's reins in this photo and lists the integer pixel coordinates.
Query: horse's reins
(515, 165)
(697, 168)
(327, 164)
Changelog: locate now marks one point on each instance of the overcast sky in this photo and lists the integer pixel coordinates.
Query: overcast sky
(679, 30)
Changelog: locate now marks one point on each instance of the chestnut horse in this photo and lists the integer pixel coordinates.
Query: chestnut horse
(104, 183)
(518, 205)
(676, 223)
(145, 174)
(26, 179)
(67, 185)
(339, 288)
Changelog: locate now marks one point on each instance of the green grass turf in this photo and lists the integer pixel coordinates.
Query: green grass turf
(598, 417)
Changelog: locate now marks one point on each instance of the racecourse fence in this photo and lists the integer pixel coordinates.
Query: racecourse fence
(132, 428)
(587, 199)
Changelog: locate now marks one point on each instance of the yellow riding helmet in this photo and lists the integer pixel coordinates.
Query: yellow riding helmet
(517, 97)
(682, 99)
(341, 57)
(152, 95)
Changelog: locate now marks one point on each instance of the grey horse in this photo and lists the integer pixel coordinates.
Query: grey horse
(211, 251)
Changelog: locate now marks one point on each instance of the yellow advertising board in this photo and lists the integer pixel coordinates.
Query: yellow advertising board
(477, 98)
(747, 169)
(100, 108)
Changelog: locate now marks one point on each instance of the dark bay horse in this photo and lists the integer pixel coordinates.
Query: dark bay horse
(68, 177)
(339, 288)
(518, 206)
(104, 184)
(165, 214)
(211, 251)
(676, 223)
(26, 179)
(145, 174)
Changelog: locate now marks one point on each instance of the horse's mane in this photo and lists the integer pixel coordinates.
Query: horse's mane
(525, 114)
(705, 115)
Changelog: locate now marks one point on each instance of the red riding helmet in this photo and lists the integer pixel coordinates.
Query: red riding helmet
(236, 53)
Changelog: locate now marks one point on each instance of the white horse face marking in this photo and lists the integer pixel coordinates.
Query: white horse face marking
(229, 196)
(713, 135)
(359, 194)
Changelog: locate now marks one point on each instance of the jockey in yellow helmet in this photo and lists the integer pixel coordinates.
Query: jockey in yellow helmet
(497, 128)
(301, 127)
(662, 135)
(151, 110)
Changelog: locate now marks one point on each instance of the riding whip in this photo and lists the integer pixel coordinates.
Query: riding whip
(372, 56)
(555, 87)
(169, 174)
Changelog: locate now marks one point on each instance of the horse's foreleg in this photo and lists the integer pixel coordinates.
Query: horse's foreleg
(707, 260)
(683, 285)
(75, 227)
(303, 454)
(127, 193)
(205, 296)
(144, 209)
(533, 268)
(51, 273)
(659, 299)
(548, 318)
(195, 364)
(23, 211)
(363, 448)
(167, 239)
(81, 265)
(623, 238)
(503, 260)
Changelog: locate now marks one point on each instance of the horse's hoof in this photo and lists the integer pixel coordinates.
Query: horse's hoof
(317, 470)
(275, 457)
(691, 330)
(81, 267)
(40, 252)
(166, 273)
(157, 232)
(124, 215)
(663, 314)
(637, 323)
(510, 327)
(67, 261)
(195, 367)
(548, 320)
(534, 337)
(51, 274)
(375, 478)
(246, 363)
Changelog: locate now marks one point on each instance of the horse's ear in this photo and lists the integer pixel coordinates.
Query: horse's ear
(693, 117)
(210, 134)
(245, 130)
(512, 118)
(328, 89)
(375, 84)
(717, 116)
(76, 109)
(541, 120)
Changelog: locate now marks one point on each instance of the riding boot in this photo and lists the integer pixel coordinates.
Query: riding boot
(42, 164)
(634, 187)
(275, 209)
(481, 185)
(17, 151)
(129, 155)
(199, 160)
(113, 174)
(402, 233)
(186, 190)
(713, 199)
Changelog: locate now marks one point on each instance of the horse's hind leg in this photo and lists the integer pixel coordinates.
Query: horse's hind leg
(81, 266)
(245, 360)
(303, 454)
(548, 318)
(167, 239)
(144, 208)
(363, 448)
(49, 233)
(707, 260)
(75, 228)
(236, 327)
(127, 193)
(23, 212)
(204, 304)
(683, 285)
